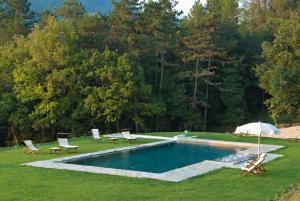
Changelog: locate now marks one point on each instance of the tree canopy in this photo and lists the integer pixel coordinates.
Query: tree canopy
(144, 67)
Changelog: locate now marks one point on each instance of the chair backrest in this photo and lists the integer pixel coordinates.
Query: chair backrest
(262, 155)
(125, 133)
(259, 161)
(95, 133)
(30, 145)
(62, 141)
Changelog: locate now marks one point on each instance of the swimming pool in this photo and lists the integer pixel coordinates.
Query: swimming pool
(158, 159)
(168, 160)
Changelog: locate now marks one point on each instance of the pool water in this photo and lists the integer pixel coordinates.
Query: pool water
(158, 159)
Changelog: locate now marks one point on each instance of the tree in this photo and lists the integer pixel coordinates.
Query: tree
(160, 61)
(15, 19)
(230, 71)
(200, 49)
(123, 25)
(71, 10)
(108, 94)
(13, 114)
(279, 73)
(49, 78)
(93, 31)
(126, 35)
(161, 22)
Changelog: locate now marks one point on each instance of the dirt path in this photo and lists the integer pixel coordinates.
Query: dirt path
(293, 132)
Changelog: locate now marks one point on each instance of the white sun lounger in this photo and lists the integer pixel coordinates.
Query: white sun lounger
(63, 143)
(30, 148)
(127, 136)
(95, 134)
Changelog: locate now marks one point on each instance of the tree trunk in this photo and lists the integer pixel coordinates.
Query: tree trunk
(117, 125)
(206, 98)
(161, 73)
(160, 84)
(206, 105)
(14, 135)
(262, 104)
(196, 84)
(135, 115)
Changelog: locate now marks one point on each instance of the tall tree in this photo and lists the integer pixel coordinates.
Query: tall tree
(230, 67)
(279, 74)
(122, 21)
(199, 51)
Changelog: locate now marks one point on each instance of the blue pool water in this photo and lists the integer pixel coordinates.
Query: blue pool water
(157, 159)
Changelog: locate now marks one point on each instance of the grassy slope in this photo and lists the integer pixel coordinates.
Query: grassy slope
(28, 183)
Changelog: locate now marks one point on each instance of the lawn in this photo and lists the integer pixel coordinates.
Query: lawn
(29, 183)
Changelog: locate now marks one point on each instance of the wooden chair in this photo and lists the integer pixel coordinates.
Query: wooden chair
(255, 168)
(262, 155)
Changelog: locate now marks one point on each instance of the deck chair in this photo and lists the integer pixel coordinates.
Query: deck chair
(254, 168)
(127, 136)
(64, 144)
(95, 134)
(115, 137)
(261, 167)
(30, 148)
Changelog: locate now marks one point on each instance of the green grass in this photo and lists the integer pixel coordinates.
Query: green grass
(29, 183)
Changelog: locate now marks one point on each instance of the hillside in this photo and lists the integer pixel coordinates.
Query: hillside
(92, 6)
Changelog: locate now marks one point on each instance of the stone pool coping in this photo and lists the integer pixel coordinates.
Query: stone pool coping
(175, 175)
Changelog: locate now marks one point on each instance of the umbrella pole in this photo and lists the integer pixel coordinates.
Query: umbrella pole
(259, 144)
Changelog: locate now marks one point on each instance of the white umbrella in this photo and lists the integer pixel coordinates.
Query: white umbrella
(259, 129)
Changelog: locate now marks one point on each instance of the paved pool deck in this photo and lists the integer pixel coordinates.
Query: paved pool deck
(232, 161)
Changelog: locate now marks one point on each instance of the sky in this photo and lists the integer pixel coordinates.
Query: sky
(186, 5)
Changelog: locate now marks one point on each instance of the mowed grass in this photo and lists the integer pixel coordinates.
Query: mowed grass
(30, 183)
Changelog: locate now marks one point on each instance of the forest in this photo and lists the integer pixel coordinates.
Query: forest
(145, 67)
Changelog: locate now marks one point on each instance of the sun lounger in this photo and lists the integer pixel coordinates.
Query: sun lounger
(127, 136)
(255, 168)
(115, 137)
(30, 148)
(96, 135)
(64, 144)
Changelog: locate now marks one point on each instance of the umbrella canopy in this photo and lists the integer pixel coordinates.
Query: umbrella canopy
(257, 128)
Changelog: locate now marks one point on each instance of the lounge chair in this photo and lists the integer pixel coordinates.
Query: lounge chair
(30, 148)
(261, 167)
(255, 168)
(127, 136)
(64, 144)
(95, 134)
(115, 137)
